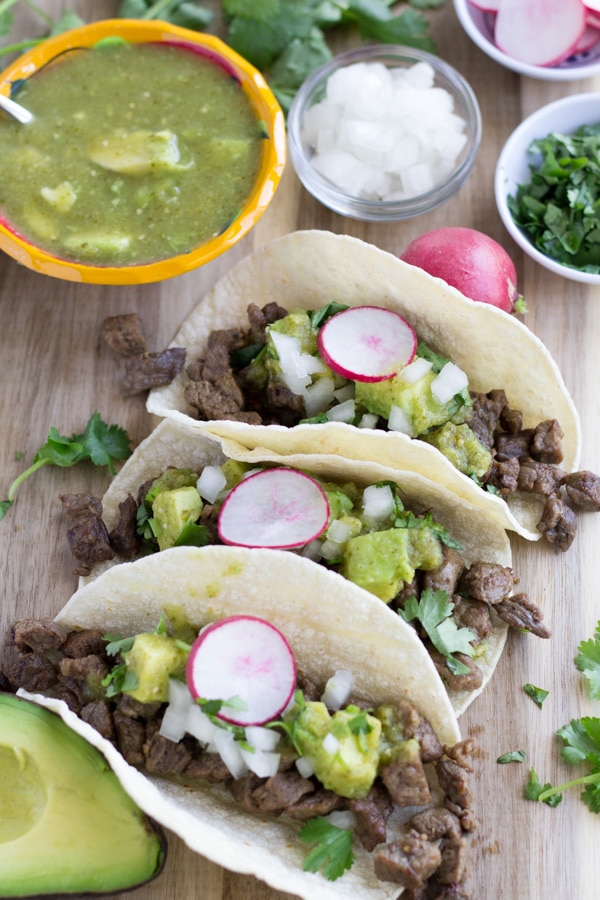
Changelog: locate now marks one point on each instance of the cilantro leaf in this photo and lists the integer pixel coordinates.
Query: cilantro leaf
(100, 443)
(535, 790)
(434, 611)
(588, 662)
(333, 851)
(538, 695)
(511, 756)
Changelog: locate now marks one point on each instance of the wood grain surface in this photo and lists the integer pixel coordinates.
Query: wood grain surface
(54, 371)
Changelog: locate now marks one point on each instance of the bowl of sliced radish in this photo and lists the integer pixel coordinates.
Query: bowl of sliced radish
(546, 181)
(384, 132)
(553, 40)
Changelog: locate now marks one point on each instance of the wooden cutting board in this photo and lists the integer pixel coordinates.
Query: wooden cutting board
(55, 372)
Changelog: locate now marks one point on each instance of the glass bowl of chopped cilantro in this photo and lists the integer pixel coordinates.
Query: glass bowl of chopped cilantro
(547, 187)
(384, 132)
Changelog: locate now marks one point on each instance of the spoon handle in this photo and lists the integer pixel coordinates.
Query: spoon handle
(15, 110)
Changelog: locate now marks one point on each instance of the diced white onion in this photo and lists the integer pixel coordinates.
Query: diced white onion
(378, 502)
(210, 483)
(398, 420)
(262, 762)
(312, 550)
(450, 381)
(381, 133)
(345, 393)
(415, 370)
(288, 351)
(339, 531)
(338, 689)
(305, 766)
(342, 412)
(331, 744)
(262, 738)
(369, 420)
(173, 725)
(331, 550)
(200, 726)
(343, 818)
(230, 753)
(318, 395)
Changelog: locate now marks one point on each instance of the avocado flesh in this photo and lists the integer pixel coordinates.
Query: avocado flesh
(66, 824)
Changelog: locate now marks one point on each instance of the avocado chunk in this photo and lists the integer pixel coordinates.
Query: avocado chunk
(462, 447)
(152, 660)
(136, 152)
(172, 511)
(381, 561)
(421, 408)
(344, 747)
(66, 824)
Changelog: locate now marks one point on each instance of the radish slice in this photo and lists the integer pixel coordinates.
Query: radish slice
(592, 5)
(275, 508)
(588, 39)
(367, 343)
(539, 32)
(247, 658)
(486, 5)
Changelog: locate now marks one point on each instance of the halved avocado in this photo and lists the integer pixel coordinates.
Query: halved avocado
(66, 824)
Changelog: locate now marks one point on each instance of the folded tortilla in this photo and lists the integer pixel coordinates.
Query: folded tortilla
(311, 268)
(180, 445)
(329, 623)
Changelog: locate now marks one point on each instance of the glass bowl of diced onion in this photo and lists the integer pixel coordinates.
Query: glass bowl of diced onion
(384, 132)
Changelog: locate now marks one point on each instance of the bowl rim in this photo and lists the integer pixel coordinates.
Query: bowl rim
(381, 210)
(518, 142)
(544, 73)
(261, 98)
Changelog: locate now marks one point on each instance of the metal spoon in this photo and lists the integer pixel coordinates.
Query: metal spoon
(15, 110)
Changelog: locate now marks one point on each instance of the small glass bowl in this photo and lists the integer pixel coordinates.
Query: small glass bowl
(513, 168)
(268, 114)
(377, 210)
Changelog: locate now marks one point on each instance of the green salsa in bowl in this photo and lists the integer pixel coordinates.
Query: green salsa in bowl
(152, 150)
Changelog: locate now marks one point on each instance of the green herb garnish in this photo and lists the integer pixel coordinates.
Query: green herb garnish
(538, 695)
(588, 662)
(100, 444)
(558, 208)
(535, 790)
(434, 611)
(512, 756)
(332, 854)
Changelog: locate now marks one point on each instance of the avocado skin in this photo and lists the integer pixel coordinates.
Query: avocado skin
(76, 830)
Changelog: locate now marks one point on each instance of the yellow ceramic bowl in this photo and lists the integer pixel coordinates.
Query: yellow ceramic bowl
(260, 98)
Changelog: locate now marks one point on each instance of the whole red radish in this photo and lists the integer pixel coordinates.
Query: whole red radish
(468, 260)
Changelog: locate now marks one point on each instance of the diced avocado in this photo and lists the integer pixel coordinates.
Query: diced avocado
(462, 447)
(66, 824)
(381, 561)
(97, 243)
(340, 503)
(153, 659)
(415, 400)
(169, 480)
(234, 471)
(296, 324)
(172, 511)
(61, 198)
(344, 747)
(135, 152)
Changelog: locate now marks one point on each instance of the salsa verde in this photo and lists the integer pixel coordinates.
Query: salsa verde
(137, 152)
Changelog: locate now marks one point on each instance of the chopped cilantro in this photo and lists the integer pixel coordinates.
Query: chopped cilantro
(588, 662)
(319, 317)
(538, 695)
(333, 851)
(535, 790)
(512, 756)
(434, 611)
(100, 443)
(558, 207)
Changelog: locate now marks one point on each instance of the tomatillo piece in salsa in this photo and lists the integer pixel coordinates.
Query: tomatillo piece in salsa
(137, 152)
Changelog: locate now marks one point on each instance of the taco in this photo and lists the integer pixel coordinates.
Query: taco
(431, 558)
(367, 739)
(507, 438)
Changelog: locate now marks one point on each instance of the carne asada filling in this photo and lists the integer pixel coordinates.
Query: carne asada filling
(409, 561)
(403, 759)
(481, 435)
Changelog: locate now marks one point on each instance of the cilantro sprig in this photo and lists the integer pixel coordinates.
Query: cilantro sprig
(588, 662)
(100, 444)
(434, 611)
(332, 854)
